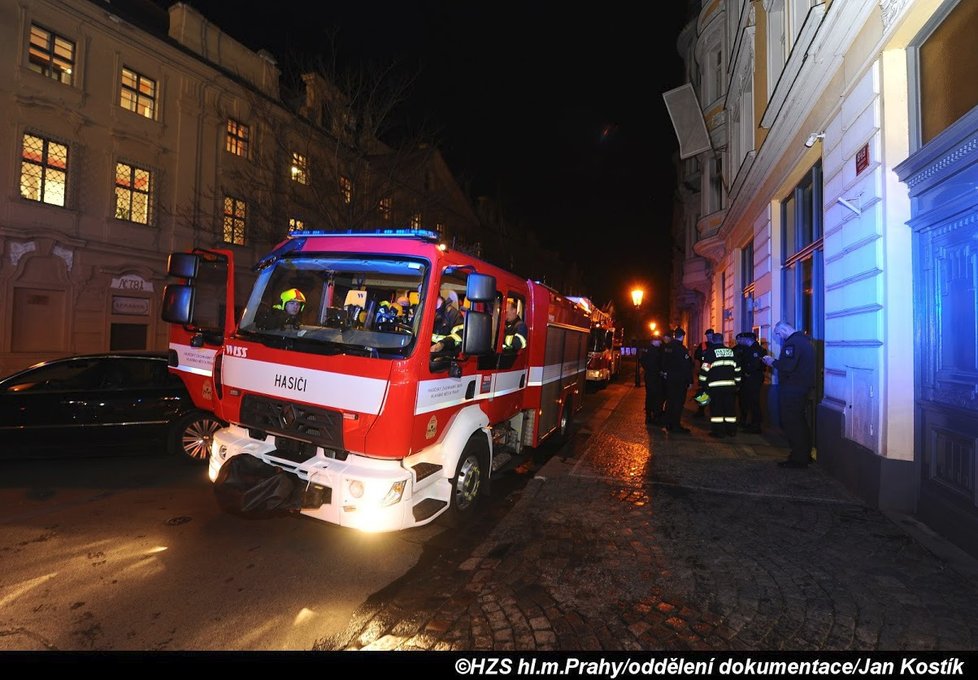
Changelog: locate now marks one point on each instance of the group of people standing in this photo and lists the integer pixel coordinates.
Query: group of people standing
(729, 381)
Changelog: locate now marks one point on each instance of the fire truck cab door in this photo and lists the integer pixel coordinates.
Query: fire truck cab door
(201, 314)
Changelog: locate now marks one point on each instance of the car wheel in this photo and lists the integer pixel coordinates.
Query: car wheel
(469, 482)
(191, 436)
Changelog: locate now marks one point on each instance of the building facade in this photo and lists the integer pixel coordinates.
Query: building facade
(839, 197)
(129, 132)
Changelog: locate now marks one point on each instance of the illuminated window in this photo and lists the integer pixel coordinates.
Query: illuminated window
(947, 55)
(416, 221)
(138, 93)
(51, 55)
(296, 225)
(346, 189)
(385, 207)
(235, 214)
(44, 170)
(133, 193)
(299, 169)
(439, 228)
(237, 138)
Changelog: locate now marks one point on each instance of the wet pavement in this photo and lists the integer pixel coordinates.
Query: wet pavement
(634, 539)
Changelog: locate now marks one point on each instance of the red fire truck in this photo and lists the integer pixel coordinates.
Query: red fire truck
(604, 345)
(322, 382)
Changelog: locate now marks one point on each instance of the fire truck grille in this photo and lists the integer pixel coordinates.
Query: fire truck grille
(319, 426)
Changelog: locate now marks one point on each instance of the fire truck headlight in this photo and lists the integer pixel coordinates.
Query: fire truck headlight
(356, 488)
(394, 495)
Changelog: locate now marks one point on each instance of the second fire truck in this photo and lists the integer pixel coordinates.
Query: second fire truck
(604, 345)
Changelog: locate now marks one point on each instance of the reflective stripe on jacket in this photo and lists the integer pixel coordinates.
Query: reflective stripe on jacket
(719, 368)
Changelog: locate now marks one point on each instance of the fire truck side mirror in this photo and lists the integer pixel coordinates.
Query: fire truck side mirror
(183, 265)
(480, 288)
(178, 303)
(477, 332)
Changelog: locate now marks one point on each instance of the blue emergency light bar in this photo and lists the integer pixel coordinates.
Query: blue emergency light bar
(423, 234)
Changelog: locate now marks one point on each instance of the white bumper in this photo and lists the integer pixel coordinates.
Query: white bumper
(363, 491)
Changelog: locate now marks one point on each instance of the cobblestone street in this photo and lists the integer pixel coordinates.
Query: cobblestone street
(634, 539)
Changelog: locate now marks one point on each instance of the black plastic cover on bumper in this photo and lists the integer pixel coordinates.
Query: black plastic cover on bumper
(249, 486)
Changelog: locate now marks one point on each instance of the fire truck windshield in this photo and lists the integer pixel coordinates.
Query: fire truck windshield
(362, 304)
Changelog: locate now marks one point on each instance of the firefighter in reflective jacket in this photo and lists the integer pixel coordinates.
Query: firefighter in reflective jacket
(447, 336)
(720, 377)
(515, 338)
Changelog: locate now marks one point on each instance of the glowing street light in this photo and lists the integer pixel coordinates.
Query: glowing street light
(652, 326)
(637, 295)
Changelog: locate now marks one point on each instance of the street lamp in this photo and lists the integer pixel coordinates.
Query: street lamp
(637, 295)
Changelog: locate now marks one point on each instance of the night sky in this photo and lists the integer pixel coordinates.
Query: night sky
(558, 116)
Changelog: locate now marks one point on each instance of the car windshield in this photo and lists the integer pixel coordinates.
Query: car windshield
(365, 305)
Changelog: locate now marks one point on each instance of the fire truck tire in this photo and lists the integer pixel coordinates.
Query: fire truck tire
(469, 482)
(191, 435)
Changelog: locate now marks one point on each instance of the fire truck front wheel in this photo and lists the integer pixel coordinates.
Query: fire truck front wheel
(468, 484)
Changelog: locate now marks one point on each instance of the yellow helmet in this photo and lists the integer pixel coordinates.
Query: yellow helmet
(293, 294)
(702, 398)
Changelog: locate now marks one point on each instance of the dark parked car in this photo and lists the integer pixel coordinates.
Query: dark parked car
(105, 403)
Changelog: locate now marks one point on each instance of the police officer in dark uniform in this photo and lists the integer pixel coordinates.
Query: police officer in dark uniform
(720, 376)
(677, 371)
(796, 376)
(655, 392)
(750, 355)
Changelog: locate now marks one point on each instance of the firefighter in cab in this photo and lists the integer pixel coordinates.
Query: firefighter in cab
(515, 337)
(283, 314)
(386, 318)
(395, 317)
(404, 309)
(447, 335)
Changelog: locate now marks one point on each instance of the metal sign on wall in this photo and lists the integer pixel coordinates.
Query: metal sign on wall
(130, 306)
(862, 158)
(132, 282)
